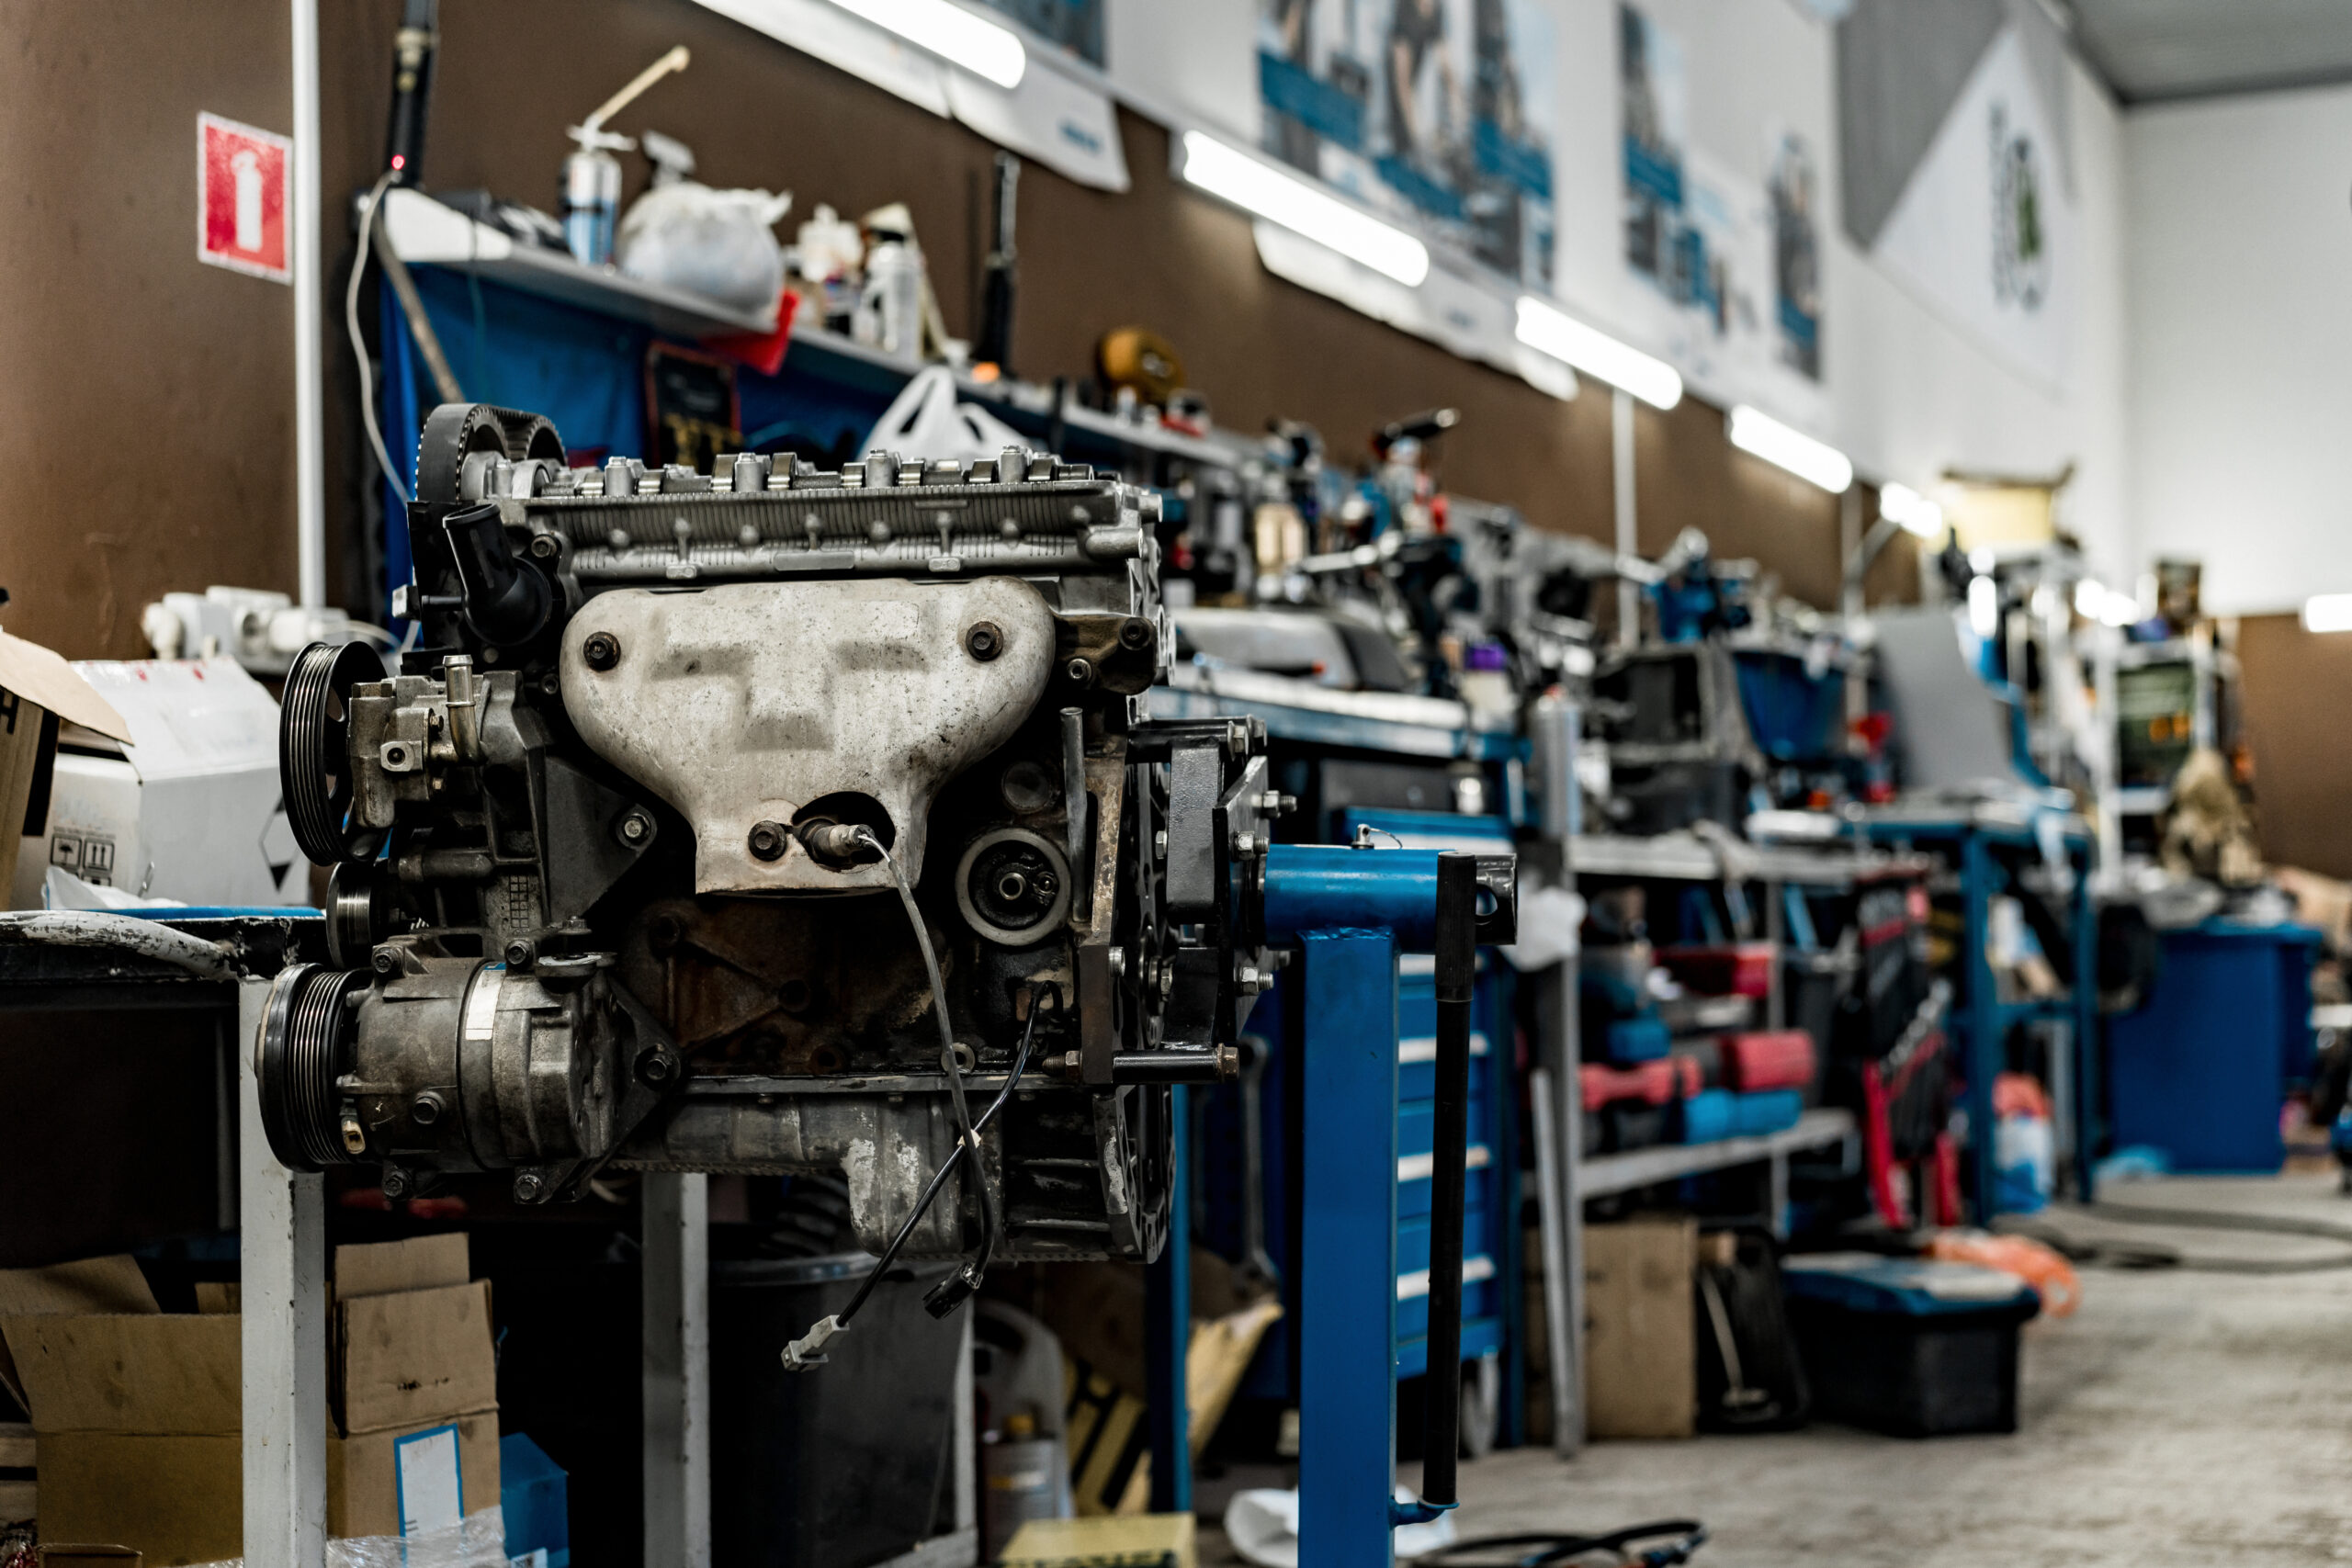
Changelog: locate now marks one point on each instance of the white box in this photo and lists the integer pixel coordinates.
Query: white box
(191, 811)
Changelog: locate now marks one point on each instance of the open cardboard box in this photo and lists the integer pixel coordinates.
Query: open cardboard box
(138, 1419)
(38, 689)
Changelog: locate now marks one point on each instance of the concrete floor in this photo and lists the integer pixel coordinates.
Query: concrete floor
(2178, 1417)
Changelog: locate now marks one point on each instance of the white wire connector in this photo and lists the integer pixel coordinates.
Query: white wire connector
(804, 1352)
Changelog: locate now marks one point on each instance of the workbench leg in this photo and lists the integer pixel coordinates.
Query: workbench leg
(1555, 1102)
(283, 1245)
(1980, 1057)
(1347, 1458)
(1167, 1326)
(1776, 1200)
(676, 1254)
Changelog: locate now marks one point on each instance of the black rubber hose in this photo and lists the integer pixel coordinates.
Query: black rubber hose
(1457, 973)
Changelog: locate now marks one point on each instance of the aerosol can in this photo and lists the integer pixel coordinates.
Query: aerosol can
(591, 195)
(592, 176)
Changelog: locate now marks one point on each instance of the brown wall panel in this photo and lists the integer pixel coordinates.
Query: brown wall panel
(2297, 692)
(146, 405)
(147, 416)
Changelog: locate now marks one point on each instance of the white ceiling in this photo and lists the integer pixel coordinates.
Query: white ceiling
(2154, 50)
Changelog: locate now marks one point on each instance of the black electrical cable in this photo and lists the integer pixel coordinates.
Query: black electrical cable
(1679, 1540)
(802, 1352)
(2041, 1229)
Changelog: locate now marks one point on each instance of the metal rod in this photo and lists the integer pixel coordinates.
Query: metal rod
(1457, 969)
(1628, 529)
(302, 261)
(1074, 793)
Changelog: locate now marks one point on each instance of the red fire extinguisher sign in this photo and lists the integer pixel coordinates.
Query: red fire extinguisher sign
(241, 183)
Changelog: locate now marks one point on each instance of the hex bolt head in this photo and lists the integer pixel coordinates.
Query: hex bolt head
(1080, 672)
(655, 1066)
(1159, 844)
(768, 839)
(601, 651)
(426, 1109)
(395, 1182)
(984, 640)
(529, 1185)
(635, 827)
(519, 953)
(543, 546)
(1245, 844)
(1135, 634)
(384, 961)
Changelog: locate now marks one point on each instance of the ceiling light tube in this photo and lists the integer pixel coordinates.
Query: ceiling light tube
(951, 32)
(2328, 612)
(1906, 507)
(1260, 187)
(1759, 434)
(1548, 330)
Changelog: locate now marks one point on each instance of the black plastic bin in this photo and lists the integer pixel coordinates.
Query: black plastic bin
(1908, 1347)
(845, 1465)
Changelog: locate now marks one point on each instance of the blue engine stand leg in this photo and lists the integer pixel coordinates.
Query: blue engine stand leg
(1347, 1448)
(1168, 1326)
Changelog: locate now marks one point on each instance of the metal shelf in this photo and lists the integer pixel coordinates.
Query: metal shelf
(1607, 1174)
(424, 232)
(1687, 857)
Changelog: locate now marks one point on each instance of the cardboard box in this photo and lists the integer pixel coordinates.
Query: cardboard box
(1137, 1540)
(182, 803)
(1641, 1359)
(37, 689)
(136, 1414)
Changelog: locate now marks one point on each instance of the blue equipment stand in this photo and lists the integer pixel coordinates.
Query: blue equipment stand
(1348, 912)
(1988, 852)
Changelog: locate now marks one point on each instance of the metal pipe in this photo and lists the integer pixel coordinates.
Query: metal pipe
(302, 256)
(127, 933)
(1457, 968)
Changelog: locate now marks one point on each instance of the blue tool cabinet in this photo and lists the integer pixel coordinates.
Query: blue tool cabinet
(1491, 1297)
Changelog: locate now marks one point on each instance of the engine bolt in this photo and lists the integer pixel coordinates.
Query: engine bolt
(984, 641)
(636, 828)
(1135, 634)
(425, 1110)
(1159, 844)
(543, 546)
(385, 961)
(656, 1065)
(768, 839)
(519, 953)
(601, 651)
(395, 1182)
(1080, 671)
(1245, 845)
(529, 1185)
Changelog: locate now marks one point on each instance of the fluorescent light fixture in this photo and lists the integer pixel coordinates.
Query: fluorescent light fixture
(1903, 505)
(1754, 431)
(1260, 187)
(951, 32)
(2328, 612)
(2094, 601)
(1983, 607)
(1550, 331)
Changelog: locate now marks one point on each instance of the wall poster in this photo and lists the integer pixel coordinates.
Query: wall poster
(1661, 245)
(1441, 113)
(1794, 187)
(1075, 24)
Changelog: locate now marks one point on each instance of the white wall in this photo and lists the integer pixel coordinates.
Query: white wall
(1907, 393)
(2240, 289)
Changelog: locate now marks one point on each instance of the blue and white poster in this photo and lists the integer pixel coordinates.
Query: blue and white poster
(1074, 24)
(1439, 113)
